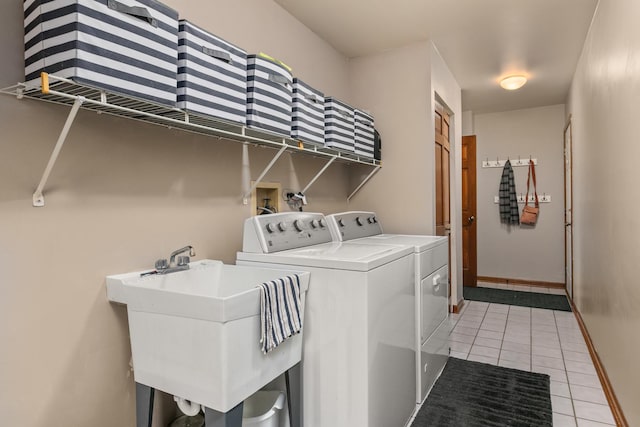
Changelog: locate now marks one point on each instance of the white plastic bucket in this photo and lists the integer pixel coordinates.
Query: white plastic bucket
(262, 409)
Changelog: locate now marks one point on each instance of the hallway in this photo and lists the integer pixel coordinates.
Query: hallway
(537, 340)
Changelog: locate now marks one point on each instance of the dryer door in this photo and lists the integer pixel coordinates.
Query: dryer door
(433, 301)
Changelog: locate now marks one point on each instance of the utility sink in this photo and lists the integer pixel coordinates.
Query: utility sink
(196, 333)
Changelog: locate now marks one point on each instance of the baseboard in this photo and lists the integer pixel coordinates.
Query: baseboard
(507, 281)
(616, 410)
(457, 308)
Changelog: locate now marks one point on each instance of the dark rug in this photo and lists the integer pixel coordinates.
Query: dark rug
(476, 394)
(524, 299)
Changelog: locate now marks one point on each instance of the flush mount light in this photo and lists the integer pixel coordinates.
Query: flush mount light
(513, 82)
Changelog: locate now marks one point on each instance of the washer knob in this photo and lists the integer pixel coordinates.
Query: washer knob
(321, 222)
(298, 225)
(359, 221)
(375, 220)
(282, 226)
(314, 223)
(370, 220)
(270, 227)
(341, 222)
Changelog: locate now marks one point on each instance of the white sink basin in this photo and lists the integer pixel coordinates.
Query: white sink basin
(195, 333)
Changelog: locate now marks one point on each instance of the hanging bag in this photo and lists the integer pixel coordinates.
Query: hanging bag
(530, 213)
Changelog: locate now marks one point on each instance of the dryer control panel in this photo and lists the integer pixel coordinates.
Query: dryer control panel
(353, 225)
(282, 231)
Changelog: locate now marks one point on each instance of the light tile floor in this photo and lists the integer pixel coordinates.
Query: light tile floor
(536, 340)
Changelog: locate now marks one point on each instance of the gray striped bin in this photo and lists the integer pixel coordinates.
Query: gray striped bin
(212, 75)
(307, 123)
(338, 125)
(125, 46)
(269, 95)
(364, 133)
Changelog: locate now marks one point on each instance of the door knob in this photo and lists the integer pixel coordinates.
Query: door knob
(471, 219)
(567, 224)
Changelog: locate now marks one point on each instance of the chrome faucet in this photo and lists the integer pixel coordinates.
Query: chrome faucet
(182, 263)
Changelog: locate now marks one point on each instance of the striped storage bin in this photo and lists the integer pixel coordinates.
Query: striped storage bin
(338, 125)
(212, 75)
(307, 123)
(364, 133)
(125, 46)
(269, 94)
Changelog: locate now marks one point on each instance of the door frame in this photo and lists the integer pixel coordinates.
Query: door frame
(568, 242)
(470, 140)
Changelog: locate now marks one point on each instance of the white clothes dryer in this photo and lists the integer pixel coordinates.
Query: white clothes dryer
(431, 281)
(358, 353)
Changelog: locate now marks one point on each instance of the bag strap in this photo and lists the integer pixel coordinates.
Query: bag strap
(532, 171)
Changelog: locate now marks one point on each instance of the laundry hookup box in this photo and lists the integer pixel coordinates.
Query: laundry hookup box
(364, 133)
(338, 125)
(269, 94)
(307, 123)
(125, 46)
(212, 75)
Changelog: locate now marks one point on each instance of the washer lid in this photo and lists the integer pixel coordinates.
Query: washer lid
(336, 255)
(419, 242)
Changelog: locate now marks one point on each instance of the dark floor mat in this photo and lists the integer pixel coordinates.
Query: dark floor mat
(523, 299)
(476, 394)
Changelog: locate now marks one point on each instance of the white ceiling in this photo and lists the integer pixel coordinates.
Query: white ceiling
(480, 40)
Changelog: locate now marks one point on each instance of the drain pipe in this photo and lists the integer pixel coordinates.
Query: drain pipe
(187, 407)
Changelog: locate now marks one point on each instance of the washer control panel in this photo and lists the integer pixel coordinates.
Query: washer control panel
(353, 225)
(282, 231)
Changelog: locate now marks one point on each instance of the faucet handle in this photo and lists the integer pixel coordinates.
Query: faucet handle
(162, 264)
(183, 260)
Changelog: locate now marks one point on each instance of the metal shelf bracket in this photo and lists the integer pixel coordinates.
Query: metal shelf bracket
(304, 190)
(264, 172)
(38, 197)
(368, 177)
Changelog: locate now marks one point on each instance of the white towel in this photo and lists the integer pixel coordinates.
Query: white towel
(280, 311)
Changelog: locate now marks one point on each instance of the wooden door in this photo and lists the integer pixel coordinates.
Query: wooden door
(443, 221)
(568, 212)
(469, 227)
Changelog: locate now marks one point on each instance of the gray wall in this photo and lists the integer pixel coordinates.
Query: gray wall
(400, 86)
(521, 252)
(604, 108)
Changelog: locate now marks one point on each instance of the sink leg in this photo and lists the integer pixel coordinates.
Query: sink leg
(293, 378)
(144, 405)
(233, 418)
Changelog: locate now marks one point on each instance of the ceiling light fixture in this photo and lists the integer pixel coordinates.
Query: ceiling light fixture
(513, 82)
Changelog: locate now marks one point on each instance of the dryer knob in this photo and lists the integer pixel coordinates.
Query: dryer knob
(321, 222)
(282, 226)
(270, 227)
(314, 223)
(341, 222)
(370, 220)
(359, 221)
(298, 225)
(375, 220)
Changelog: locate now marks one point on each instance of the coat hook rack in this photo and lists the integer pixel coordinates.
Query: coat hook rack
(498, 163)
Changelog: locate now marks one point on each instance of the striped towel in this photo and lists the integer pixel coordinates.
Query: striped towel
(280, 311)
(507, 196)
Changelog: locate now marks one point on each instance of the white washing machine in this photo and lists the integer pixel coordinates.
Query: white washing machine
(358, 353)
(431, 281)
